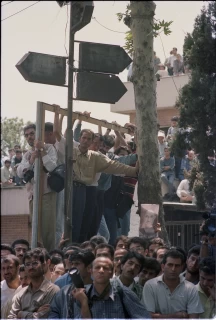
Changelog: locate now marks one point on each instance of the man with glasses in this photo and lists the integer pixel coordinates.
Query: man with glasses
(48, 155)
(20, 247)
(118, 255)
(139, 245)
(34, 300)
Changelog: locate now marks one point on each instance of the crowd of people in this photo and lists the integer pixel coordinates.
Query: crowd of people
(135, 279)
(174, 65)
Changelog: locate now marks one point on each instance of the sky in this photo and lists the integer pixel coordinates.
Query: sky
(43, 28)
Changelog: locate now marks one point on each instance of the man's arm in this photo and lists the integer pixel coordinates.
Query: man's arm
(26, 163)
(128, 160)
(56, 125)
(119, 140)
(48, 155)
(81, 297)
(77, 130)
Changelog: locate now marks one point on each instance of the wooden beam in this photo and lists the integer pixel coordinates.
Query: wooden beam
(84, 118)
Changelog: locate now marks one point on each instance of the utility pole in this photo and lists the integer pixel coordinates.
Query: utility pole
(68, 207)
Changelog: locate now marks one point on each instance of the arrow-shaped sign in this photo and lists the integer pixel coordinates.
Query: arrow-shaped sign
(98, 57)
(99, 87)
(43, 68)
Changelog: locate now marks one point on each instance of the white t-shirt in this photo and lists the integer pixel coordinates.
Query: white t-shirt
(172, 59)
(6, 292)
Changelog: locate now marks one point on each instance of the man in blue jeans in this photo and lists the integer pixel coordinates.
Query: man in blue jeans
(167, 165)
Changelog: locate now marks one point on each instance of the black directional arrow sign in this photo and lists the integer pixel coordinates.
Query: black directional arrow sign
(100, 57)
(99, 87)
(43, 68)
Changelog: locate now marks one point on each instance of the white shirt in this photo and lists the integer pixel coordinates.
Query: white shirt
(183, 186)
(6, 292)
(6, 174)
(60, 147)
(95, 183)
(172, 59)
(162, 73)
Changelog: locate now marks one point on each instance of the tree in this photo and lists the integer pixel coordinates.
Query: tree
(12, 133)
(139, 17)
(197, 105)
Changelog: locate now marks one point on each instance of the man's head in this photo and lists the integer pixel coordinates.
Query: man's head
(98, 240)
(149, 219)
(86, 139)
(88, 245)
(97, 141)
(6, 249)
(17, 147)
(154, 244)
(207, 274)
(167, 152)
(49, 136)
(161, 66)
(107, 144)
(174, 121)
(11, 152)
(193, 260)
(102, 270)
(29, 133)
(54, 260)
(82, 260)
(24, 278)
(131, 265)
(69, 250)
(58, 271)
(104, 250)
(172, 264)
(21, 246)
(161, 136)
(174, 51)
(57, 253)
(122, 151)
(150, 270)
(159, 253)
(139, 245)
(10, 268)
(7, 163)
(118, 255)
(121, 242)
(18, 153)
(191, 155)
(34, 262)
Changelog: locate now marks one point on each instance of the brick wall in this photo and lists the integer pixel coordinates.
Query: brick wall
(15, 227)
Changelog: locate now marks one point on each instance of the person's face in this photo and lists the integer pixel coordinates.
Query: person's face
(11, 153)
(160, 254)
(145, 275)
(117, 260)
(138, 248)
(174, 123)
(172, 268)
(152, 248)
(24, 279)
(9, 271)
(121, 245)
(30, 136)
(190, 155)
(4, 253)
(161, 139)
(18, 155)
(34, 267)
(104, 252)
(104, 148)
(192, 263)
(131, 268)
(16, 148)
(66, 259)
(85, 140)
(58, 271)
(206, 281)
(166, 153)
(49, 137)
(80, 266)
(95, 144)
(149, 219)
(20, 250)
(102, 270)
(7, 164)
(174, 51)
(123, 153)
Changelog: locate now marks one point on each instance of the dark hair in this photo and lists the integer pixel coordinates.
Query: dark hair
(108, 141)
(10, 257)
(138, 240)
(98, 240)
(45, 253)
(98, 135)
(118, 150)
(153, 264)
(69, 248)
(175, 119)
(6, 246)
(131, 255)
(18, 151)
(86, 244)
(22, 268)
(105, 246)
(195, 250)
(122, 238)
(207, 265)
(29, 126)
(175, 254)
(58, 251)
(48, 127)
(20, 241)
(36, 253)
(154, 255)
(55, 260)
(17, 145)
(175, 48)
(182, 251)
(156, 241)
(86, 256)
(87, 131)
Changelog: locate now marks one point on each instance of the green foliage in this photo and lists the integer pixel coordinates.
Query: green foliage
(12, 133)
(197, 104)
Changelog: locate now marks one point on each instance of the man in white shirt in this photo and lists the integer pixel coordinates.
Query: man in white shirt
(48, 155)
(6, 173)
(184, 193)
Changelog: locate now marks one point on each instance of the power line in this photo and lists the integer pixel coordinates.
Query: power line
(20, 11)
(6, 3)
(106, 27)
(66, 32)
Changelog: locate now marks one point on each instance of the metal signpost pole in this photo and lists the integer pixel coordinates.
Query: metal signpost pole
(69, 140)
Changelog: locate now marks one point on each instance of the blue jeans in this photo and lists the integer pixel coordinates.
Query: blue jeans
(59, 216)
(79, 199)
(125, 224)
(168, 179)
(103, 230)
(112, 224)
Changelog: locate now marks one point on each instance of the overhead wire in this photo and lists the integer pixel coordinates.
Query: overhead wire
(66, 33)
(20, 11)
(93, 18)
